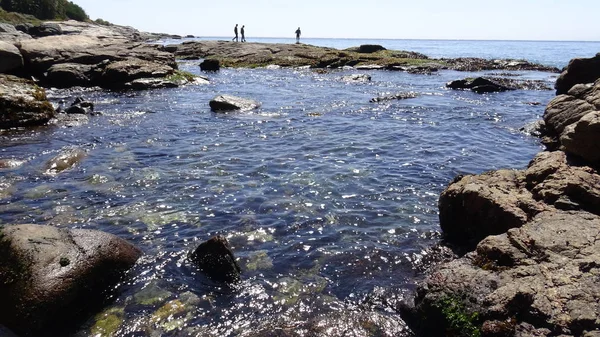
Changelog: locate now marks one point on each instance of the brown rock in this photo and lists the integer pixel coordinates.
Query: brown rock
(215, 258)
(52, 277)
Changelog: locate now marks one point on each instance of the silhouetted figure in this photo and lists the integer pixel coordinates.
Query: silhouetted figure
(298, 35)
(243, 36)
(235, 32)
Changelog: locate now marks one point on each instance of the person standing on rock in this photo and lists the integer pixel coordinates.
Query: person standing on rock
(235, 38)
(298, 35)
(243, 36)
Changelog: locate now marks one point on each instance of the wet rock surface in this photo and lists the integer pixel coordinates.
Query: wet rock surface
(23, 103)
(215, 259)
(52, 277)
(579, 71)
(228, 103)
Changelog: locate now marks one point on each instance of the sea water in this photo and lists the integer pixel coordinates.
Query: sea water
(329, 201)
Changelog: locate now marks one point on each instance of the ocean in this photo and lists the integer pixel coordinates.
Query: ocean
(328, 200)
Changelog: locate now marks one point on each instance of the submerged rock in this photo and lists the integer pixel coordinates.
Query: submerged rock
(224, 103)
(22, 103)
(398, 96)
(357, 78)
(65, 160)
(53, 277)
(215, 258)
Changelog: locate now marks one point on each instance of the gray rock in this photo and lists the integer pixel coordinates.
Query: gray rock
(45, 29)
(10, 57)
(398, 96)
(215, 258)
(564, 110)
(53, 277)
(24, 27)
(149, 83)
(66, 75)
(356, 78)
(120, 72)
(225, 103)
(8, 33)
(7, 28)
(579, 70)
(22, 103)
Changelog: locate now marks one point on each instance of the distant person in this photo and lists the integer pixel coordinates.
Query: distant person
(235, 32)
(298, 35)
(242, 32)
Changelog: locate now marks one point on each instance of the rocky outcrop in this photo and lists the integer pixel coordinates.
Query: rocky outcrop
(367, 48)
(356, 78)
(215, 259)
(65, 160)
(10, 57)
(52, 277)
(571, 121)
(227, 103)
(8, 33)
(22, 103)
(482, 85)
(535, 268)
(541, 277)
(579, 71)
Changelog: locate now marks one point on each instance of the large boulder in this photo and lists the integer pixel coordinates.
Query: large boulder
(215, 258)
(583, 138)
(225, 103)
(10, 57)
(52, 277)
(22, 103)
(572, 121)
(116, 74)
(66, 75)
(475, 206)
(579, 70)
(9, 33)
(542, 278)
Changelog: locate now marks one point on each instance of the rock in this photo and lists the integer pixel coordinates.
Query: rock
(80, 106)
(475, 206)
(116, 74)
(224, 103)
(45, 29)
(53, 277)
(9, 34)
(357, 78)
(582, 138)
(565, 110)
(479, 85)
(66, 75)
(398, 96)
(10, 57)
(24, 27)
(579, 70)
(215, 258)
(210, 65)
(369, 48)
(22, 103)
(65, 160)
(149, 83)
(542, 276)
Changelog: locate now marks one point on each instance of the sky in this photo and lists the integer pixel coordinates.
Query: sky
(573, 20)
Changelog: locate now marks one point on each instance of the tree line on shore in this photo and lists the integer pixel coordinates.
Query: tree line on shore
(46, 9)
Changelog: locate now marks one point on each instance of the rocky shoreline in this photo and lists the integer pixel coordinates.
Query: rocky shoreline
(533, 235)
(534, 270)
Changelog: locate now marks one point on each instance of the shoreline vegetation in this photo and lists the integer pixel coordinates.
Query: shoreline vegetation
(527, 242)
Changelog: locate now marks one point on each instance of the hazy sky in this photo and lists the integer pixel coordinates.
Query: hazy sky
(394, 19)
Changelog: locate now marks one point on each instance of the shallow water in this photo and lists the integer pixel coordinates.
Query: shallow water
(328, 200)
